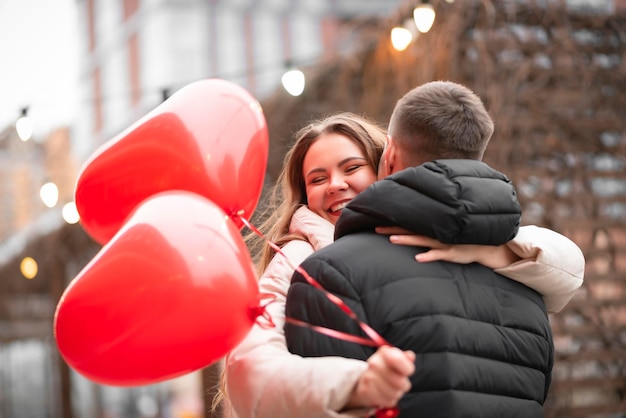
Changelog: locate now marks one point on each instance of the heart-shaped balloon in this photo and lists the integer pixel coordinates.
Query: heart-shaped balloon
(172, 292)
(210, 138)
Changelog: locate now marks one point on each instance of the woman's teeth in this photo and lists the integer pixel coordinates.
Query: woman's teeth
(338, 206)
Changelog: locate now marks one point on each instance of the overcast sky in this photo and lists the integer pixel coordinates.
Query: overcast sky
(38, 62)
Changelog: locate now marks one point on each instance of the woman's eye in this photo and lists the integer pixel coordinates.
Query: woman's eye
(317, 180)
(352, 168)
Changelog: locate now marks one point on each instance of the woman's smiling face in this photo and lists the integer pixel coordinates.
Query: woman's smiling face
(335, 170)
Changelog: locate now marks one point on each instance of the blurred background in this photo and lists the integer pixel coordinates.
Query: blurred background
(75, 73)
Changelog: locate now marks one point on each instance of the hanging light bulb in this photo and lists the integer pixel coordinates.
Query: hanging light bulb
(424, 17)
(24, 126)
(401, 38)
(49, 194)
(293, 81)
(28, 267)
(70, 213)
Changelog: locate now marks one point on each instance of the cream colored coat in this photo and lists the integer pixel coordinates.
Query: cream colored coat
(264, 380)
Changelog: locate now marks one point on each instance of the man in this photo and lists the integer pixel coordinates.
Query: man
(483, 343)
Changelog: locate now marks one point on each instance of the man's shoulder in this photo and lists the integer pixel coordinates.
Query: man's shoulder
(359, 258)
(345, 256)
(351, 246)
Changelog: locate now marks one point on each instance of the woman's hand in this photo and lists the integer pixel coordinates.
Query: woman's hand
(386, 379)
(494, 257)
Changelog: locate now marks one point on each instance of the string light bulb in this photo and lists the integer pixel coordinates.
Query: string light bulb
(24, 126)
(49, 194)
(29, 268)
(424, 17)
(293, 81)
(70, 213)
(401, 38)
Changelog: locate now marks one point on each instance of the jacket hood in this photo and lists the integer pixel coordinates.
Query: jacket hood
(454, 201)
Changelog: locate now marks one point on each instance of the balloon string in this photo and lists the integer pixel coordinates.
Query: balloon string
(376, 338)
(259, 313)
(333, 332)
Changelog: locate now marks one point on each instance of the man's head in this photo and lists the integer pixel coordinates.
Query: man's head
(436, 120)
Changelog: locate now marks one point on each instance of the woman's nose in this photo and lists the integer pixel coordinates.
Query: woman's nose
(337, 183)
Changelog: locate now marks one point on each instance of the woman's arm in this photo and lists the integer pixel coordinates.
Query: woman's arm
(264, 380)
(551, 264)
(539, 258)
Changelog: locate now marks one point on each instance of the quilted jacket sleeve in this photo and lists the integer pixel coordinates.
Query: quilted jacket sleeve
(264, 380)
(551, 264)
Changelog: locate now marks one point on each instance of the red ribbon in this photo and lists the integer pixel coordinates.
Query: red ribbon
(375, 339)
(258, 312)
(333, 333)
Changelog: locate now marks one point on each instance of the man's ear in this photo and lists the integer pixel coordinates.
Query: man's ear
(391, 156)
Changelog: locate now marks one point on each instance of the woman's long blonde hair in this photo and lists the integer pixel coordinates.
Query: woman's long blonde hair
(289, 192)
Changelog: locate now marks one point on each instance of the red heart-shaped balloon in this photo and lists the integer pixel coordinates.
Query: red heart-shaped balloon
(210, 138)
(172, 292)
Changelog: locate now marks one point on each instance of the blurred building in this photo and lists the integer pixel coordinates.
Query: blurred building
(137, 52)
(25, 166)
(27, 352)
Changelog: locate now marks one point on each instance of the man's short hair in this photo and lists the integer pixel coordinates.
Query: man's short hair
(440, 119)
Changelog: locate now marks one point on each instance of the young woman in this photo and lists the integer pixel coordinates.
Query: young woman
(331, 162)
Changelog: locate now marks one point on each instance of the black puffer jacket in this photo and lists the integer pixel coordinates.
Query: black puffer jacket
(483, 342)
